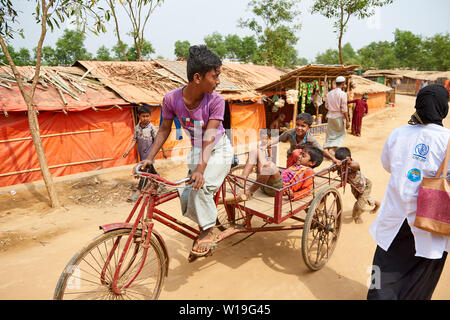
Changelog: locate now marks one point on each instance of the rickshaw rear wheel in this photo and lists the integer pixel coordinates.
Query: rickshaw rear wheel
(322, 228)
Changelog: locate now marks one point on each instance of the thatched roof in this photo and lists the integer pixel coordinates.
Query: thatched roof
(149, 81)
(413, 74)
(134, 81)
(59, 89)
(363, 85)
(309, 73)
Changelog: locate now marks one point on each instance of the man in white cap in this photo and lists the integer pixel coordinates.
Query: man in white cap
(336, 103)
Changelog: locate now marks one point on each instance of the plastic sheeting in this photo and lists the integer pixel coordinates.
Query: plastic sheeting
(246, 121)
(111, 142)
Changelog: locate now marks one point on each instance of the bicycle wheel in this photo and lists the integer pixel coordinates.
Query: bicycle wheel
(322, 228)
(82, 278)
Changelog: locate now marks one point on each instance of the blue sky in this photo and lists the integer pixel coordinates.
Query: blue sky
(192, 20)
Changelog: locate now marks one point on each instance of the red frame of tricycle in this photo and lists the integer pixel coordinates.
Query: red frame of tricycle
(150, 199)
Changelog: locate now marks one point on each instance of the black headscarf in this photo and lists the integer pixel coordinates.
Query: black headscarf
(431, 105)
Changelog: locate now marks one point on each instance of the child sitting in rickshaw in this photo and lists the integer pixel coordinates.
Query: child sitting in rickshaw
(298, 176)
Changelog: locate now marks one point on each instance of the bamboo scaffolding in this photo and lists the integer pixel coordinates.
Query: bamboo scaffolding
(53, 135)
(55, 166)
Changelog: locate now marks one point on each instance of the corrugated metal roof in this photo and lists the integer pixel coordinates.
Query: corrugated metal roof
(78, 96)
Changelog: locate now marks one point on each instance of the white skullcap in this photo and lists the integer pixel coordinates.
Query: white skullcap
(340, 79)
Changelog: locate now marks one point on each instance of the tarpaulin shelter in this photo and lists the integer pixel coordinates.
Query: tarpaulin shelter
(81, 124)
(378, 94)
(86, 117)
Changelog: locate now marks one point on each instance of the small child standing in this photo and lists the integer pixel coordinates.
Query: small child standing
(361, 186)
(144, 134)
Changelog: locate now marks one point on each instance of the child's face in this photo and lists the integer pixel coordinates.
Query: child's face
(144, 118)
(304, 159)
(210, 81)
(301, 127)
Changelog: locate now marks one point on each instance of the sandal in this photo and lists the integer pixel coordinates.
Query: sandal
(193, 255)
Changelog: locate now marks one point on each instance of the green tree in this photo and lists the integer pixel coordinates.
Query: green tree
(70, 48)
(117, 50)
(274, 24)
(103, 54)
(408, 49)
(329, 57)
(143, 53)
(20, 58)
(182, 49)
(48, 56)
(302, 62)
(232, 46)
(349, 55)
(47, 13)
(436, 53)
(342, 10)
(378, 55)
(243, 49)
(216, 44)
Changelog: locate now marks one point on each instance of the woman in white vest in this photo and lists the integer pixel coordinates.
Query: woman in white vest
(408, 261)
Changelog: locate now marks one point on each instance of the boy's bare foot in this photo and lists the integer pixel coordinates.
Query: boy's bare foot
(377, 206)
(358, 220)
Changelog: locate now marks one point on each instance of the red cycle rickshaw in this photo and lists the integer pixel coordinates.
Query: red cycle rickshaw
(130, 260)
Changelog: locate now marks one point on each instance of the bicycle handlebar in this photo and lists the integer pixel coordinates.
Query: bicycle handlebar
(158, 178)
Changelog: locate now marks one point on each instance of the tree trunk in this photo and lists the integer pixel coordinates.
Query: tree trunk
(32, 117)
(341, 32)
(111, 5)
(137, 44)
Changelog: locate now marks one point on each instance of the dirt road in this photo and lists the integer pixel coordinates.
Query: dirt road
(36, 243)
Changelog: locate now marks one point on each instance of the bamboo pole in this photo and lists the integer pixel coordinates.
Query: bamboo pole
(84, 75)
(55, 166)
(53, 135)
(296, 103)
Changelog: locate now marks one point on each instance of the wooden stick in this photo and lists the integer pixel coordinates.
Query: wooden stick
(62, 96)
(84, 75)
(53, 135)
(56, 166)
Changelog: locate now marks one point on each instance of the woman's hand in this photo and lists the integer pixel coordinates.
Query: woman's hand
(197, 180)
